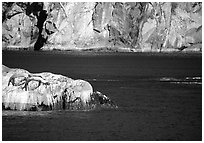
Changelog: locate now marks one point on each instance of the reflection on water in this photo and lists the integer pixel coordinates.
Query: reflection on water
(71, 114)
(25, 113)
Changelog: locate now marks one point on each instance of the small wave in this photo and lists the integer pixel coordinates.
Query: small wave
(167, 79)
(108, 80)
(198, 78)
(25, 113)
(112, 80)
(186, 80)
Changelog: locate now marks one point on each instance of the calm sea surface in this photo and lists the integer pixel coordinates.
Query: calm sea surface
(159, 97)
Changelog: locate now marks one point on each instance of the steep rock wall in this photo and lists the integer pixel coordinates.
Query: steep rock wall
(129, 26)
(20, 27)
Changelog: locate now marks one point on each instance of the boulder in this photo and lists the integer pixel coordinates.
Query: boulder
(22, 90)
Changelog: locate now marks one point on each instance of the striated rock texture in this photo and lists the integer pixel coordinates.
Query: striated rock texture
(20, 27)
(115, 26)
(22, 90)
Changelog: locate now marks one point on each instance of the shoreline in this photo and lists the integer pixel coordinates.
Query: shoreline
(104, 50)
(110, 53)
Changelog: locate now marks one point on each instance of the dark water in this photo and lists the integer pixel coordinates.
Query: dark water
(159, 97)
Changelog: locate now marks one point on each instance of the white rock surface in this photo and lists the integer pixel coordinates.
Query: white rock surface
(22, 90)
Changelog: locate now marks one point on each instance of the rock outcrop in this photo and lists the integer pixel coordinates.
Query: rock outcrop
(116, 26)
(22, 90)
(20, 24)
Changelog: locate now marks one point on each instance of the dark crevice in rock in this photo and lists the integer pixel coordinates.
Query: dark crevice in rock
(34, 8)
(6, 6)
(41, 39)
(23, 24)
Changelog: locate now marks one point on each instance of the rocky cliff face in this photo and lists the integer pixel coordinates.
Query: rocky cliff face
(129, 26)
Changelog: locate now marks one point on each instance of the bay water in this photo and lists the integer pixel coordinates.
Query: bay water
(159, 97)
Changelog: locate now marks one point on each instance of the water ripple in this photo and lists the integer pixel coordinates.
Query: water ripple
(197, 80)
